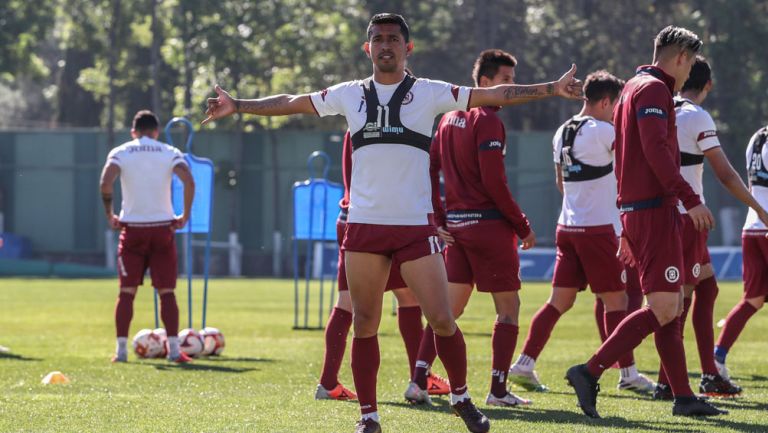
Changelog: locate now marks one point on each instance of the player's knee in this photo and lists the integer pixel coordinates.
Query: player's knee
(756, 302)
(128, 290)
(443, 324)
(561, 304)
(510, 319)
(665, 313)
(615, 301)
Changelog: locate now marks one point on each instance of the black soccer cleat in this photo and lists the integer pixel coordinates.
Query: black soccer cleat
(663, 392)
(586, 388)
(367, 426)
(695, 406)
(715, 385)
(474, 419)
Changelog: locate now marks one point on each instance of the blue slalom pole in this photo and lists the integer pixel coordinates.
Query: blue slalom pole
(157, 319)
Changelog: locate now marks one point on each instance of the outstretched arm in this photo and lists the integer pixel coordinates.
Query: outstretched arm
(731, 180)
(510, 94)
(278, 105)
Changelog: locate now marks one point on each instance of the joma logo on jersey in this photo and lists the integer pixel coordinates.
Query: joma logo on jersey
(392, 129)
(652, 111)
(492, 145)
(457, 122)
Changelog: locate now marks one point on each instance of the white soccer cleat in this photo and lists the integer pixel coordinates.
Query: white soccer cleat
(722, 370)
(639, 383)
(416, 395)
(508, 400)
(527, 379)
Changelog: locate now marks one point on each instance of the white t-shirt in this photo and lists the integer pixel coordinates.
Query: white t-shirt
(390, 182)
(590, 202)
(696, 132)
(146, 170)
(760, 193)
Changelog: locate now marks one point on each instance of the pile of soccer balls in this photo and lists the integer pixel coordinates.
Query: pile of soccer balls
(149, 343)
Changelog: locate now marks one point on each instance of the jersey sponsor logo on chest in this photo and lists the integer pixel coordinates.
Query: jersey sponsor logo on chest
(145, 148)
(458, 122)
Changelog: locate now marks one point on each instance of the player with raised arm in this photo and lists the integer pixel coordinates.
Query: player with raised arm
(147, 224)
(697, 135)
(649, 188)
(390, 116)
(587, 231)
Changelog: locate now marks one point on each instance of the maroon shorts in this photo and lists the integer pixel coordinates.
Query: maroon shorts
(695, 252)
(484, 254)
(754, 249)
(587, 256)
(395, 280)
(142, 246)
(655, 237)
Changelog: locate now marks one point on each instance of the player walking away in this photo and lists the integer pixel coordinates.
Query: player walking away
(147, 224)
(697, 136)
(587, 231)
(337, 328)
(754, 250)
(390, 116)
(649, 187)
(482, 222)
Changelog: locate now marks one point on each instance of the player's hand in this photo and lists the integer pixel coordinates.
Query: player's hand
(178, 222)
(113, 221)
(529, 241)
(445, 235)
(702, 218)
(570, 87)
(625, 253)
(221, 106)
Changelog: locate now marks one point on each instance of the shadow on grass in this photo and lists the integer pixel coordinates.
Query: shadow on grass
(739, 403)
(197, 366)
(724, 422)
(238, 359)
(17, 357)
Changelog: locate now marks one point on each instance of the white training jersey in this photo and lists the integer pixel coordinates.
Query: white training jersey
(590, 202)
(390, 183)
(146, 170)
(760, 193)
(696, 133)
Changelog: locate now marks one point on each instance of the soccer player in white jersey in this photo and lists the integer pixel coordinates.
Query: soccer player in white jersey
(147, 224)
(587, 232)
(697, 137)
(390, 116)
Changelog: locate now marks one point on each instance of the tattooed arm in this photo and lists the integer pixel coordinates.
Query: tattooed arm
(510, 94)
(279, 105)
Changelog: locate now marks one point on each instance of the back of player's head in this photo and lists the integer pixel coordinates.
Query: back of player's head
(676, 38)
(145, 121)
(389, 18)
(601, 84)
(700, 75)
(488, 63)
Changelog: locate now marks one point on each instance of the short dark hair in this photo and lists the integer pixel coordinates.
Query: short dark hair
(389, 18)
(679, 37)
(488, 63)
(601, 84)
(145, 121)
(700, 75)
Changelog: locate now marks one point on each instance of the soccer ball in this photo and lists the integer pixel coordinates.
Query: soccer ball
(213, 341)
(147, 344)
(190, 342)
(160, 332)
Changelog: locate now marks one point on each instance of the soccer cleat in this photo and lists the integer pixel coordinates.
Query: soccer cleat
(695, 406)
(717, 386)
(722, 370)
(663, 392)
(475, 421)
(640, 384)
(416, 395)
(586, 388)
(119, 358)
(437, 385)
(527, 379)
(508, 400)
(367, 425)
(183, 358)
(340, 392)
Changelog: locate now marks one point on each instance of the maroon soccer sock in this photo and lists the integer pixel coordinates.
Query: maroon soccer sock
(425, 358)
(663, 377)
(669, 344)
(541, 328)
(628, 335)
(124, 313)
(703, 308)
(600, 319)
(453, 353)
(612, 320)
(735, 323)
(503, 343)
(169, 313)
(365, 368)
(336, 331)
(411, 329)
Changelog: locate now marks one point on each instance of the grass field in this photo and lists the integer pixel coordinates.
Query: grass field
(265, 380)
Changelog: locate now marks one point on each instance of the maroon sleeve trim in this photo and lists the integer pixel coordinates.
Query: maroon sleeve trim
(313, 105)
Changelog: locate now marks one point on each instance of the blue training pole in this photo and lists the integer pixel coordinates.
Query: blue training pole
(157, 319)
